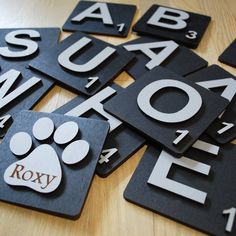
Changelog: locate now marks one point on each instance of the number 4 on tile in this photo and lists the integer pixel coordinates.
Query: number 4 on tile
(108, 153)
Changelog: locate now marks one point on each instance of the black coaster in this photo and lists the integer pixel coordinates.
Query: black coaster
(184, 27)
(22, 88)
(228, 56)
(167, 108)
(21, 45)
(83, 63)
(207, 176)
(152, 52)
(121, 143)
(101, 18)
(57, 151)
(223, 129)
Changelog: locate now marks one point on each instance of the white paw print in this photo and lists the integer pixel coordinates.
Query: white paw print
(41, 169)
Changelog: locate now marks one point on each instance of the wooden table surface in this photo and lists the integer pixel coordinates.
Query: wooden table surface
(106, 212)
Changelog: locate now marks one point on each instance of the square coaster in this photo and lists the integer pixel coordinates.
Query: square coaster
(223, 129)
(21, 45)
(121, 142)
(83, 63)
(196, 189)
(228, 56)
(167, 108)
(152, 52)
(20, 89)
(101, 18)
(184, 27)
(49, 160)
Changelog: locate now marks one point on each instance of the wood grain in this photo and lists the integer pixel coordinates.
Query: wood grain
(105, 211)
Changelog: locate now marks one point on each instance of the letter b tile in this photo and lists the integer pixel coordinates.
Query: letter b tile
(181, 26)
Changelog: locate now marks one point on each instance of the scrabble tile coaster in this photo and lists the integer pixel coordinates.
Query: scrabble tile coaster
(20, 89)
(20, 45)
(167, 108)
(121, 142)
(223, 129)
(173, 187)
(82, 63)
(151, 52)
(101, 18)
(184, 27)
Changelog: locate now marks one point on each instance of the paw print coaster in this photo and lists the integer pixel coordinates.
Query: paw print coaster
(49, 161)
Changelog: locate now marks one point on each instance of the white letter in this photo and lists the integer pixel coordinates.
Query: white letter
(64, 57)
(163, 165)
(10, 77)
(95, 103)
(89, 13)
(11, 38)
(156, 59)
(193, 106)
(229, 83)
(160, 13)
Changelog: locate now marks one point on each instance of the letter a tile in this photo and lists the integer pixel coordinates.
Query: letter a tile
(101, 18)
(121, 143)
(20, 89)
(167, 108)
(223, 129)
(151, 52)
(184, 27)
(83, 63)
(228, 56)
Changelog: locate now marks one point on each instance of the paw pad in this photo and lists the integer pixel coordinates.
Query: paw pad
(41, 169)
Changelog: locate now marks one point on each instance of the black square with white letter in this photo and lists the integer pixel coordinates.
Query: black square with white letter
(101, 18)
(167, 108)
(62, 148)
(20, 89)
(184, 27)
(121, 143)
(21, 45)
(97, 63)
(223, 129)
(213, 178)
(151, 52)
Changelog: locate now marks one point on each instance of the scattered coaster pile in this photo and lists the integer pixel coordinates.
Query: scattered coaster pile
(184, 110)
